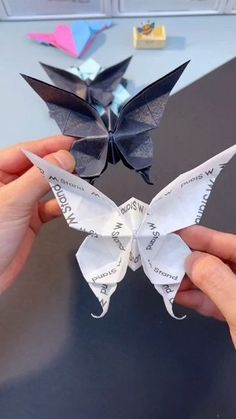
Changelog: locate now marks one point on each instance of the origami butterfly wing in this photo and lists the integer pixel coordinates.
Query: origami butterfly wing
(163, 262)
(66, 80)
(76, 118)
(91, 156)
(136, 152)
(106, 267)
(103, 256)
(188, 195)
(140, 115)
(102, 87)
(180, 204)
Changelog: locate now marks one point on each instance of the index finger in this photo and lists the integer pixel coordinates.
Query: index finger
(13, 161)
(214, 242)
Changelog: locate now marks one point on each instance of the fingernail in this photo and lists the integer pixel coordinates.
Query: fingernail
(191, 260)
(65, 159)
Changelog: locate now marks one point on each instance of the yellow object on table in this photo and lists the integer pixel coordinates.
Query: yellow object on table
(155, 39)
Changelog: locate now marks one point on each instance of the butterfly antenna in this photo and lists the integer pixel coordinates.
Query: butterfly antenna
(145, 173)
(91, 180)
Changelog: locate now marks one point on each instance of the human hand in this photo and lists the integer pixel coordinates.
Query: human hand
(210, 284)
(21, 212)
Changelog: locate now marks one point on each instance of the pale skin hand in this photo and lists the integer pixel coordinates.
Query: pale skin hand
(21, 212)
(210, 284)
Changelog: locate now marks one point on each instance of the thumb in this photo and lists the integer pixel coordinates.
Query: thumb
(32, 186)
(217, 281)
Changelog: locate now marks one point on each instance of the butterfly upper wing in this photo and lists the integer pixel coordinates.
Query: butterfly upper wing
(102, 87)
(83, 206)
(76, 118)
(180, 204)
(146, 108)
(66, 80)
(187, 195)
(140, 115)
(73, 115)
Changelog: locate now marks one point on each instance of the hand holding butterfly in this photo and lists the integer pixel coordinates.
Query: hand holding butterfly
(210, 287)
(210, 284)
(22, 214)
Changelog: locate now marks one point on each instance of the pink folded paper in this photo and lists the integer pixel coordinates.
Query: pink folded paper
(62, 38)
(74, 39)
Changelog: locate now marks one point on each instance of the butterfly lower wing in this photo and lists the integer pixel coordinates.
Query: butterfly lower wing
(163, 262)
(66, 80)
(103, 265)
(90, 156)
(106, 82)
(136, 152)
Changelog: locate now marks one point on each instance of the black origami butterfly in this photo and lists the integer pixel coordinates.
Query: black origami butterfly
(109, 138)
(96, 92)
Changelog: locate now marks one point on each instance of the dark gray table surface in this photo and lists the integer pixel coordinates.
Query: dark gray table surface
(56, 361)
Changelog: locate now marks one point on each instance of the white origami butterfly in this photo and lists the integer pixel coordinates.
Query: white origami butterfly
(135, 233)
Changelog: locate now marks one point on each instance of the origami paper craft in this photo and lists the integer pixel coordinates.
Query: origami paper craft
(135, 234)
(97, 90)
(75, 39)
(89, 69)
(110, 139)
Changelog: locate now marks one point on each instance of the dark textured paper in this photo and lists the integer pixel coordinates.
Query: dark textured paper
(96, 92)
(109, 139)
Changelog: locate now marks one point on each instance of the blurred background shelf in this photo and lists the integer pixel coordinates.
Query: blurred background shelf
(58, 9)
(53, 9)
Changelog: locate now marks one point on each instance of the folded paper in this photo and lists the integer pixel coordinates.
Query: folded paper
(109, 139)
(74, 39)
(134, 234)
(89, 70)
(90, 83)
